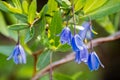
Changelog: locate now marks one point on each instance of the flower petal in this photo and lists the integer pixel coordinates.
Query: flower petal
(83, 33)
(77, 57)
(22, 54)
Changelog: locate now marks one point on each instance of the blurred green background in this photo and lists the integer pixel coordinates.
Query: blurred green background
(109, 53)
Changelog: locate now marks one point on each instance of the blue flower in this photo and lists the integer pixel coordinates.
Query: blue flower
(18, 55)
(65, 36)
(77, 43)
(80, 48)
(86, 33)
(81, 55)
(94, 61)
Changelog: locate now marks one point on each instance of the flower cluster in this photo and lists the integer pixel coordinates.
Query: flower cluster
(18, 55)
(76, 41)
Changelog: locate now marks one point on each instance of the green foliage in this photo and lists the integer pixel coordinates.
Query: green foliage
(79, 4)
(20, 26)
(44, 59)
(92, 5)
(65, 4)
(32, 11)
(6, 50)
(3, 28)
(59, 76)
(109, 7)
(25, 6)
(55, 28)
(29, 35)
(106, 24)
(41, 29)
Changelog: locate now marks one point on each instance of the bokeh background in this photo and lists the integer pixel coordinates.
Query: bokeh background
(109, 54)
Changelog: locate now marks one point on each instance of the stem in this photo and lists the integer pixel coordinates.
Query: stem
(35, 63)
(18, 37)
(74, 22)
(35, 57)
(51, 67)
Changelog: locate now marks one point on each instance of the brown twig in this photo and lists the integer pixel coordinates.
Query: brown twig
(71, 56)
(35, 57)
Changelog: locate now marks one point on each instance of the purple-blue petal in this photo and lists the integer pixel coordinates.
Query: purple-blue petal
(65, 36)
(74, 45)
(94, 61)
(84, 54)
(23, 56)
(77, 57)
(83, 33)
(18, 55)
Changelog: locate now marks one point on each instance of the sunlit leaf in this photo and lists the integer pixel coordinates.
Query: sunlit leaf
(17, 3)
(32, 11)
(109, 7)
(92, 5)
(11, 8)
(52, 6)
(79, 4)
(25, 6)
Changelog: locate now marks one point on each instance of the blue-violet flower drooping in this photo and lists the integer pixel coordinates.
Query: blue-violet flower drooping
(85, 33)
(80, 48)
(65, 36)
(18, 55)
(94, 61)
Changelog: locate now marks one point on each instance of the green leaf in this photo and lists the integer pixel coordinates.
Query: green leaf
(76, 75)
(32, 11)
(63, 48)
(65, 4)
(79, 4)
(11, 8)
(110, 7)
(56, 27)
(17, 3)
(59, 76)
(3, 7)
(44, 59)
(25, 6)
(18, 26)
(29, 34)
(21, 17)
(6, 50)
(3, 28)
(106, 24)
(52, 6)
(43, 11)
(92, 5)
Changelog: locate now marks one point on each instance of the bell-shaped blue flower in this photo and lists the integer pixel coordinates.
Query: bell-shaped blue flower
(80, 48)
(18, 55)
(65, 36)
(77, 43)
(94, 61)
(81, 55)
(86, 32)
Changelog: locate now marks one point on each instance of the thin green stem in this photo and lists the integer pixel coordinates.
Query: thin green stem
(74, 21)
